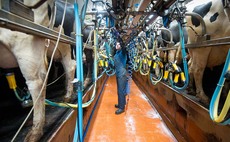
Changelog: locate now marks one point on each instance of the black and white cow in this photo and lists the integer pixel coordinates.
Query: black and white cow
(29, 53)
(217, 26)
(165, 38)
(68, 27)
(88, 39)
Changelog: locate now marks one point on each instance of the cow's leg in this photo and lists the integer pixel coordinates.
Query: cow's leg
(34, 87)
(89, 63)
(198, 66)
(30, 58)
(190, 88)
(69, 66)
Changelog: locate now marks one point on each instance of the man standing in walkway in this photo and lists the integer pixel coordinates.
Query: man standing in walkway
(120, 60)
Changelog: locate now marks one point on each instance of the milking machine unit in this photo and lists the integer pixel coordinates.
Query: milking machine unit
(22, 95)
(156, 70)
(214, 105)
(177, 12)
(106, 61)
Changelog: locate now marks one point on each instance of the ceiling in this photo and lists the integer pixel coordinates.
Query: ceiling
(130, 16)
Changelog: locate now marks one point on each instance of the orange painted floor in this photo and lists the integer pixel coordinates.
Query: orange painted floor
(140, 123)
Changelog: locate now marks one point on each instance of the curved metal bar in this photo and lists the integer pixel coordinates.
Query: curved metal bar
(170, 33)
(200, 19)
(36, 5)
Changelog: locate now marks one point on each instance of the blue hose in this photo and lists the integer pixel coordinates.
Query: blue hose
(78, 134)
(185, 65)
(218, 89)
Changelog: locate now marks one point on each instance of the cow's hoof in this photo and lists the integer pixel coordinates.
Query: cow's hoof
(33, 136)
(204, 99)
(87, 82)
(227, 75)
(191, 91)
(67, 99)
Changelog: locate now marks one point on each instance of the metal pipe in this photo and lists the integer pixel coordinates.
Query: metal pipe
(128, 13)
(35, 6)
(13, 22)
(97, 12)
(158, 3)
(169, 3)
(213, 42)
(151, 20)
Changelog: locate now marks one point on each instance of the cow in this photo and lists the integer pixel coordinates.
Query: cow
(68, 30)
(215, 16)
(29, 53)
(164, 40)
(199, 62)
(88, 52)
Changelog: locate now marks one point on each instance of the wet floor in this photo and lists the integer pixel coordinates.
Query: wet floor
(140, 123)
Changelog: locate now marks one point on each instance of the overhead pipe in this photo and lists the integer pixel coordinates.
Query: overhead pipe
(103, 12)
(151, 20)
(169, 3)
(157, 4)
(166, 5)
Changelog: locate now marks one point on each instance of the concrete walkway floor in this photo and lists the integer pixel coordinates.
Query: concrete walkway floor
(140, 123)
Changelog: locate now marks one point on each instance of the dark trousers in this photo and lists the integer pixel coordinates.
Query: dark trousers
(122, 79)
(122, 83)
(122, 90)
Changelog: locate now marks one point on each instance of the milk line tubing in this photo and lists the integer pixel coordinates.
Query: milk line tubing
(217, 117)
(178, 13)
(78, 134)
(105, 56)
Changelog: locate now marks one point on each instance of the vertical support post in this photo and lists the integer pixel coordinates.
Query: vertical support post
(78, 134)
(95, 54)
